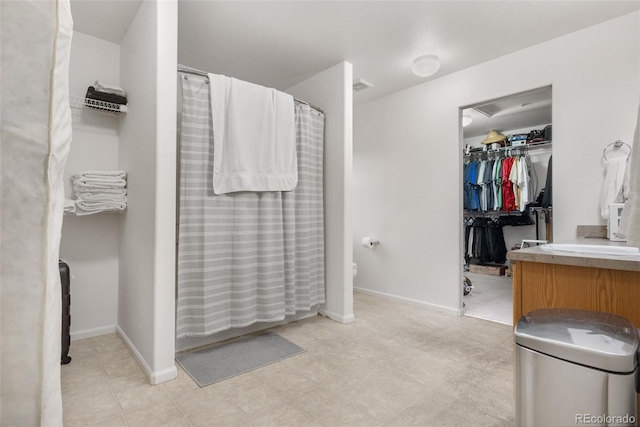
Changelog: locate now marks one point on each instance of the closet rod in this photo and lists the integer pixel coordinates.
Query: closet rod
(516, 148)
(203, 74)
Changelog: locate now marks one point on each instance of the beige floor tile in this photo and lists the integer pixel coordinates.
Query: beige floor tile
(121, 367)
(348, 415)
(107, 343)
(433, 369)
(441, 406)
(401, 386)
(256, 400)
(81, 372)
(321, 368)
(238, 384)
(115, 356)
(122, 383)
(81, 348)
(505, 388)
(379, 404)
(119, 363)
(317, 403)
(78, 395)
(158, 414)
(288, 383)
(117, 421)
(473, 384)
(219, 414)
(349, 387)
(200, 399)
(142, 396)
(418, 416)
(486, 417)
(91, 409)
(391, 356)
(180, 384)
(284, 415)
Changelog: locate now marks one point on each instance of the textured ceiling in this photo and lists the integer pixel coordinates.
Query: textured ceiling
(280, 43)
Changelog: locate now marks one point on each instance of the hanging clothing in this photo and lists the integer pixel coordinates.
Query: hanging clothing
(497, 190)
(487, 242)
(471, 200)
(533, 180)
(547, 197)
(480, 183)
(508, 196)
(513, 177)
(523, 183)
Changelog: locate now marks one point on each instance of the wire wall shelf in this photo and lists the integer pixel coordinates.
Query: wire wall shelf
(79, 102)
(512, 149)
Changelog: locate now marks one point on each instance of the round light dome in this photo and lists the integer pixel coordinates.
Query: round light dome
(425, 66)
(466, 120)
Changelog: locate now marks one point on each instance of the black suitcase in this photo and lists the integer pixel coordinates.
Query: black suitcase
(65, 282)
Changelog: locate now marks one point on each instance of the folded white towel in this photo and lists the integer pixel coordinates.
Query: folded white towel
(91, 174)
(69, 206)
(97, 197)
(97, 183)
(101, 86)
(254, 144)
(88, 208)
(613, 189)
(88, 189)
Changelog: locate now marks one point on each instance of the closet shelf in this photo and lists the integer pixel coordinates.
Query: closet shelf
(79, 102)
(516, 148)
(505, 213)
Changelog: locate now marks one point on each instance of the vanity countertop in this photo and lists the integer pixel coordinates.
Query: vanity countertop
(612, 262)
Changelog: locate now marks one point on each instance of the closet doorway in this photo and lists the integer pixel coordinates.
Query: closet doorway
(507, 194)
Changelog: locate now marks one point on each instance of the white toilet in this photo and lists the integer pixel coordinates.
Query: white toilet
(355, 269)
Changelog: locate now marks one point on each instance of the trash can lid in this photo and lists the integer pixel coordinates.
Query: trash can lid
(599, 340)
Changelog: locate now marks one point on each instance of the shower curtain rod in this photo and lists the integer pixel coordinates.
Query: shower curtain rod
(204, 74)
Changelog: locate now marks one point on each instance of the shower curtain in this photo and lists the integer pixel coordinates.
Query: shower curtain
(246, 257)
(36, 135)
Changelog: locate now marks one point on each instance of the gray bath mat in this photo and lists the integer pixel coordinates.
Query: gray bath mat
(224, 361)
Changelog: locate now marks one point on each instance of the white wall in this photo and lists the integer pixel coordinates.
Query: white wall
(331, 90)
(407, 169)
(146, 312)
(90, 243)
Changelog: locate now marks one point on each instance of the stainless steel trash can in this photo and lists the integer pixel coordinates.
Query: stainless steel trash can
(575, 367)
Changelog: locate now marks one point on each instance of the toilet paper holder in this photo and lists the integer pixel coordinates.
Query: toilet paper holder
(370, 242)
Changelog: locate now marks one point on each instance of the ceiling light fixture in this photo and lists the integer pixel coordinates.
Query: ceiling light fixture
(425, 66)
(466, 120)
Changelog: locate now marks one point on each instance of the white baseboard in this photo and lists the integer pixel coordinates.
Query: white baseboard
(154, 377)
(438, 307)
(93, 332)
(338, 317)
(164, 375)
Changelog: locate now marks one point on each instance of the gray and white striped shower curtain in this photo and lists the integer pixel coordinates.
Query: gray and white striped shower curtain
(246, 257)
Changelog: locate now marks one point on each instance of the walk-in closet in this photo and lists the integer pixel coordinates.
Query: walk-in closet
(507, 194)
